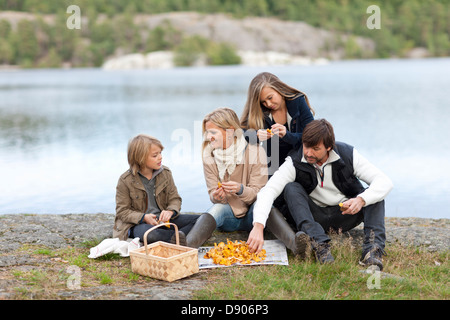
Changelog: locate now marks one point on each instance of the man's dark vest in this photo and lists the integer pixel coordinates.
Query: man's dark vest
(342, 171)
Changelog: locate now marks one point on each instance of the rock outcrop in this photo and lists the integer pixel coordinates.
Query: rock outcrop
(296, 38)
(258, 41)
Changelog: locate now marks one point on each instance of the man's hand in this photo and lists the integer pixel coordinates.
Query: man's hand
(353, 205)
(256, 238)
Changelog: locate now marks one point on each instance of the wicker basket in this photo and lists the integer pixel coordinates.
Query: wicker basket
(164, 261)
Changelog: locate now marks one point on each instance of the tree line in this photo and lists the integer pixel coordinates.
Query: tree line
(36, 43)
(404, 25)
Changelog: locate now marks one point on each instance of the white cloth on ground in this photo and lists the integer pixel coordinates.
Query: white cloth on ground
(114, 245)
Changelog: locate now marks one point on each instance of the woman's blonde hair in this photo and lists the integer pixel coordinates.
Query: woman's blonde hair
(253, 114)
(138, 150)
(224, 118)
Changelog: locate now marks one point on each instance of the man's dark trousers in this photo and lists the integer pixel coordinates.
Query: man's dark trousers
(315, 221)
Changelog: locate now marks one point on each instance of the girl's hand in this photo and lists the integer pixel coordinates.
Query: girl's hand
(279, 129)
(263, 135)
(165, 215)
(231, 186)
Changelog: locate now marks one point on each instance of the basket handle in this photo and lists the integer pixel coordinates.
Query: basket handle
(177, 237)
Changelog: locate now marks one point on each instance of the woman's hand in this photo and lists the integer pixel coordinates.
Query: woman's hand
(219, 195)
(231, 186)
(150, 218)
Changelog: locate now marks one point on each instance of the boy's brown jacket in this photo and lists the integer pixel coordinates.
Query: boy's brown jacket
(132, 200)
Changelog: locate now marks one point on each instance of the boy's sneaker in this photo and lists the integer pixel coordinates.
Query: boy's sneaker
(323, 252)
(372, 257)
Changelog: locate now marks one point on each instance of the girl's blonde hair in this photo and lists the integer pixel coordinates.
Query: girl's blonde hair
(253, 114)
(138, 150)
(224, 118)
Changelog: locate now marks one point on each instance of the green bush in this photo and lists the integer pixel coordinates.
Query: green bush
(222, 54)
(190, 51)
(163, 37)
(6, 52)
(193, 49)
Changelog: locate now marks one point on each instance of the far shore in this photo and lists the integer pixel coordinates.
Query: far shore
(138, 61)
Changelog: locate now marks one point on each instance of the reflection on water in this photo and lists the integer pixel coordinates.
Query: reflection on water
(64, 133)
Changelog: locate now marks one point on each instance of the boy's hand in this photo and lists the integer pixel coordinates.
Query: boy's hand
(165, 215)
(150, 218)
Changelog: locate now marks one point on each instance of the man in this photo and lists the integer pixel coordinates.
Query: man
(316, 179)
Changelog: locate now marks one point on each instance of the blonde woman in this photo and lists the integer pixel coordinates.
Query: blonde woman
(147, 195)
(234, 170)
(272, 104)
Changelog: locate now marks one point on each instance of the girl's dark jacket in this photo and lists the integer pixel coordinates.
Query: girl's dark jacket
(300, 115)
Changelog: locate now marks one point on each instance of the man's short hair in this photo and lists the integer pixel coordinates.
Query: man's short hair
(318, 131)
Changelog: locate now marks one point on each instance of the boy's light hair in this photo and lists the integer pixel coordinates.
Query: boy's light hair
(138, 150)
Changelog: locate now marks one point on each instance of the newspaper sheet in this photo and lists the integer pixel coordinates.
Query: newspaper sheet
(275, 254)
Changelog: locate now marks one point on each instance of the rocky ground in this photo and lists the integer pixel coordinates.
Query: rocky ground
(61, 231)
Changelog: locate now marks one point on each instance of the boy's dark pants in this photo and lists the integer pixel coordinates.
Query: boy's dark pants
(315, 221)
(184, 222)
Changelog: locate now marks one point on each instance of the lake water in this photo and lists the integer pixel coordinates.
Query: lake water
(64, 133)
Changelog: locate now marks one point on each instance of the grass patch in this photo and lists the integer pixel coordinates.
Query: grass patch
(412, 273)
(54, 271)
(409, 273)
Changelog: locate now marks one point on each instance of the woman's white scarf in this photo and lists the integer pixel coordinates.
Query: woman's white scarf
(227, 159)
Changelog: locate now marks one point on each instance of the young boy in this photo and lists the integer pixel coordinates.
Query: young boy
(146, 196)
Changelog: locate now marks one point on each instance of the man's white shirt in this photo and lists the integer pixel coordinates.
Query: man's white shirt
(326, 194)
